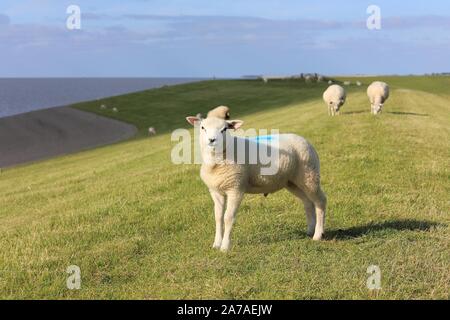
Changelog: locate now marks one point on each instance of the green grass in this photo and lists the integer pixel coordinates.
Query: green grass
(140, 227)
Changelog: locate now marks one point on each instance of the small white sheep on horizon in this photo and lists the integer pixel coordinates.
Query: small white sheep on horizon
(151, 131)
(334, 97)
(115, 109)
(378, 93)
(103, 107)
(330, 82)
(347, 83)
(298, 170)
(358, 83)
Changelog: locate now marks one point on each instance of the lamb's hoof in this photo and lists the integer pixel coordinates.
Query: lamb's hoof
(225, 247)
(317, 237)
(216, 245)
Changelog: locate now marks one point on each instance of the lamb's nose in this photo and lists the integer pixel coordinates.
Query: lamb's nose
(212, 140)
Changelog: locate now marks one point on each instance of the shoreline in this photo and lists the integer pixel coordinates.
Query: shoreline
(51, 132)
(21, 95)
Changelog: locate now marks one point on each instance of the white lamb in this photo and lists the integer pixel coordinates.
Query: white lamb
(298, 170)
(151, 131)
(378, 93)
(334, 97)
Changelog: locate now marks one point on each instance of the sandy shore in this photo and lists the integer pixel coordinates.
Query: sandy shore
(46, 133)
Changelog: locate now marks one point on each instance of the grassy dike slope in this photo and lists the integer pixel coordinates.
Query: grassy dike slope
(140, 227)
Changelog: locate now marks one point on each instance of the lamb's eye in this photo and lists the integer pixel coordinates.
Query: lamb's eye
(203, 128)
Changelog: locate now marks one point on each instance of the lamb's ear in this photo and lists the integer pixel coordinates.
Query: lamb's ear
(193, 120)
(235, 124)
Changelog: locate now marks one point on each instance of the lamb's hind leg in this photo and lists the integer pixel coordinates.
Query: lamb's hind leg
(309, 208)
(320, 202)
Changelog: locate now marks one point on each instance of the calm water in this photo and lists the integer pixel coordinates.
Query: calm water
(20, 95)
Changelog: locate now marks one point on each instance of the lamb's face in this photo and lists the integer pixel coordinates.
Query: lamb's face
(213, 132)
(336, 105)
(377, 107)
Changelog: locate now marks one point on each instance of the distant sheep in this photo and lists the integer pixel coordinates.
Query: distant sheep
(334, 97)
(228, 179)
(358, 83)
(347, 83)
(330, 82)
(115, 110)
(265, 80)
(320, 78)
(378, 93)
(103, 107)
(151, 131)
(221, 112)
(308, 78)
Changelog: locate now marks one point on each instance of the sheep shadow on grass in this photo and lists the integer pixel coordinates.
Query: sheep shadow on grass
(373, 228)
(398, 113)
(291, 232)
(354, 112)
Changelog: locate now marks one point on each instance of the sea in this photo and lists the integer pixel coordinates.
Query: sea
(19, 95)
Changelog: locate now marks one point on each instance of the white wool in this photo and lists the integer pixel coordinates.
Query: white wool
(334, 97)
(151, 131)
(222, 112)
(228, 180)
(378, 93)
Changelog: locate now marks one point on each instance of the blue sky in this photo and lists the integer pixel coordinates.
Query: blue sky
(222, 38)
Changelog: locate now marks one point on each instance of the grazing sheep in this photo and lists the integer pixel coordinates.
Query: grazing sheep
(151, 131)
(334, 97)
(298, 170)
(378, 93)
(358, 83)
(330, 82)
(308, 78)
(221, 112)
(115, 110)
(265, 80)
(347, 83)
(103, 107)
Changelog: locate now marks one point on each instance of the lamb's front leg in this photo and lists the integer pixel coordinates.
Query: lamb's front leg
(219, 203)
(233, 202)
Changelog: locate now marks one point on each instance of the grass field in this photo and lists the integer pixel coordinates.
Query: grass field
(140, 227)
